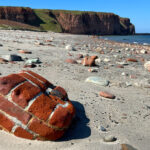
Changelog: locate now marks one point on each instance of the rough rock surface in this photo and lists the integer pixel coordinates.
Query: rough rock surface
(91, 23)
(33, 108)
(94, 23)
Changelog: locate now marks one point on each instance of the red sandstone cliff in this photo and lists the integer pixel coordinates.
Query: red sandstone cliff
(18, 14)
(70, 21)
(94, 23)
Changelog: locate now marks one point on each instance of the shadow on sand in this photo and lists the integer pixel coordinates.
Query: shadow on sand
(79, 128)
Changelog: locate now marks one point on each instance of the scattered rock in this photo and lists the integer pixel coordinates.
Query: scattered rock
(98, 80)
(107, 95)
(131, 60)
(69, 47)
(29, 66)
(110, 139)
(33, 61)
(103, 129)
(127, 147)
(147, 65)
(143, 51)
(71, 61)
(93, 70)
(89, 61)
(12, 57)
(24, 52)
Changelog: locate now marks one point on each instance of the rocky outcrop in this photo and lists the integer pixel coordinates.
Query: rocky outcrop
(74, 22)
(93, 23)
(18, 14)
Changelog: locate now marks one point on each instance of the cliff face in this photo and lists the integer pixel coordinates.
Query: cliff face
(18, 14)
(94, 23)
(70, 21)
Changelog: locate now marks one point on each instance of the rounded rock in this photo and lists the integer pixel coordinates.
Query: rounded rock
(107, 95)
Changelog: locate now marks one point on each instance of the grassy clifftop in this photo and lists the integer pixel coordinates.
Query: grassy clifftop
(48, 23)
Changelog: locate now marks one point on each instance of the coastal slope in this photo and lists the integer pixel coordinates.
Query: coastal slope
(75, 22)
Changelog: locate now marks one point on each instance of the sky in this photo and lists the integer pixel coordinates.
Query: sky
(137, 10)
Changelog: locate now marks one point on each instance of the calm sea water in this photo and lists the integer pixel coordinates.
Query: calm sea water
(137, 39)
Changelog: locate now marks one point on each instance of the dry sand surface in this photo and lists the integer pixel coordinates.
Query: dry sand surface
(127, 117)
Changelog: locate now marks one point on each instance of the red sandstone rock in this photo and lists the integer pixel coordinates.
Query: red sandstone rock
(132, 60)
(24, 52)
(28, 102)
(71, 61)
(107, 95)
(89, 61)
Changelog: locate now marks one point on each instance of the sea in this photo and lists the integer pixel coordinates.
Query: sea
(135, 39)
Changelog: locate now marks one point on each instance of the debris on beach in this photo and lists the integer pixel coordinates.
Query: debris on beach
(33, 108)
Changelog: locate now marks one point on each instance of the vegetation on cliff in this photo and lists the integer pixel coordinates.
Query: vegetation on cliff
(76, 22)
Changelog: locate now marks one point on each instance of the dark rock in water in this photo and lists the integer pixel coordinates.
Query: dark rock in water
(127, 147)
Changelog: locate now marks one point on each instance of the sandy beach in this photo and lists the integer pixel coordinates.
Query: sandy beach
(126, 118)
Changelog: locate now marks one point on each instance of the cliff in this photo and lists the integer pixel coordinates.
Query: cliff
(75, 22)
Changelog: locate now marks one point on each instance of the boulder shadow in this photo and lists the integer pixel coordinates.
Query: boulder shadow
(79, 128)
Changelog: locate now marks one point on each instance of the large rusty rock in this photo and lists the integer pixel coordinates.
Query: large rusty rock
(33, 108)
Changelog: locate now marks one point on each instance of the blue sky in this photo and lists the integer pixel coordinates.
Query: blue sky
(137, 10)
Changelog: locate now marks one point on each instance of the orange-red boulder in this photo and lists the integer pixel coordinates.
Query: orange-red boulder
(89, 60)
(33, 108)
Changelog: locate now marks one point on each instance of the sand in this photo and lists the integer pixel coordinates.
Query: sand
(127, 117)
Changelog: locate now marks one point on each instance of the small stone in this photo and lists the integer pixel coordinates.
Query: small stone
(71, 61)
(69, 47)
(128, 84)
(33, 61)
(93, 70)
(12, 57)
(103, 129)
(143, 51)
(147, 65)
(124, 74)
(97, 80)
(107, 95)
(127, 147)
(110, 139)
(131, 60)
(106, 60)
(24, 52)
(29, 66)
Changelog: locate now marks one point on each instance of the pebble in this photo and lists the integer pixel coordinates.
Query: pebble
(127, 147)
(69, 47)
(103, 129)
(131, 60)
(24, 52)
(93, 70)
(98, 80)
(33, 61)
(143, 51)
(110, 138)
(107, 95)
(71, 61)
(12, 57)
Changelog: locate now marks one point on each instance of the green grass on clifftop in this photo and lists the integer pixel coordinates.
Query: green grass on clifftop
(48, 23)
